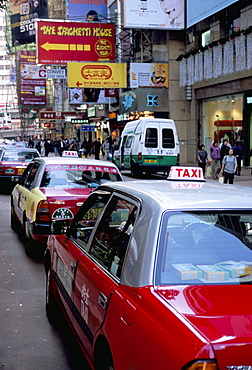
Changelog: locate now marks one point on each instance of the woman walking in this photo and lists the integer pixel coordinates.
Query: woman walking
(229, 166)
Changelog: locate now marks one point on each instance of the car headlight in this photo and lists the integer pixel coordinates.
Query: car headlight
(201, 365)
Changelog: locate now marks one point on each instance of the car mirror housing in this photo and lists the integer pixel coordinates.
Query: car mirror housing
(59, 226)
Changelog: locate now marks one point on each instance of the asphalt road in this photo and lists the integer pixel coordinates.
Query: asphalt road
(28, 341)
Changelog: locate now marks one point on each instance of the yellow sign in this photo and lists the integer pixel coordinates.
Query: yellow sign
(97, 75)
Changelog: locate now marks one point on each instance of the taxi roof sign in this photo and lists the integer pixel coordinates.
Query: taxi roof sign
(69, 153)
(180, 173)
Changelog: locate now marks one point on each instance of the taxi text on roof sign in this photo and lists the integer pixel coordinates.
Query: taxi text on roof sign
(69, 153)
(186, 174)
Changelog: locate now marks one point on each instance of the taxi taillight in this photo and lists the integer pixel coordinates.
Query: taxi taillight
(202, 365)
(139, 157)
(43, 213)
(1, 169)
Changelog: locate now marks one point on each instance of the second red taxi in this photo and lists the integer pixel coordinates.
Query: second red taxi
(13, 162)
(53, 188)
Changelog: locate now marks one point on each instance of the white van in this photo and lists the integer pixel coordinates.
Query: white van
(148, 145)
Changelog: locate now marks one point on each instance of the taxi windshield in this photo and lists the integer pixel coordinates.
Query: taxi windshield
(204, 247)
(19, 156)
(78, 176)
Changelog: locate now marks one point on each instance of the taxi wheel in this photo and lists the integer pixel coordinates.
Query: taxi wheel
(52, 307)
(103, 356)
(27, 239)
(14, 224)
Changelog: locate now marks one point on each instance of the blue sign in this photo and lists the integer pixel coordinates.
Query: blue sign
(94, 11)
(87, 128)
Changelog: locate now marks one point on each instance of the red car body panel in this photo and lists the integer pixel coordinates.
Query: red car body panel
(12, 168)
(125, 319)
(65, 198)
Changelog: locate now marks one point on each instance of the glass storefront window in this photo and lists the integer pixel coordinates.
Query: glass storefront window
(222, 117)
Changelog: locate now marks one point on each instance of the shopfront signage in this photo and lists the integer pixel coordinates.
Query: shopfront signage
(58, 115)
(87, 128)
(97, 75)
(60, 42)
(79, 121)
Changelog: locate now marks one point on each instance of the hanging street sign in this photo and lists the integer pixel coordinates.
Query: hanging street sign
(59, 42)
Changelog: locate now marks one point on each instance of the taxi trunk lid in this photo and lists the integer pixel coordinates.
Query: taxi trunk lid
(64, 202)
(222, 314)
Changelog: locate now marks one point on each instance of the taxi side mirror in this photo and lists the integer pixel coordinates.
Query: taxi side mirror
(59, 227)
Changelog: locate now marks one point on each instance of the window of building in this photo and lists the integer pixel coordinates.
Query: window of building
(222, 117)
(205, 38)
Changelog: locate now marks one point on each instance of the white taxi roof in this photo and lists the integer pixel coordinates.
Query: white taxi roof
(163, 195)
(74, 160)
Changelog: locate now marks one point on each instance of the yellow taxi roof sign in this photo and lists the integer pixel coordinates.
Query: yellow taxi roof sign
(180, 173)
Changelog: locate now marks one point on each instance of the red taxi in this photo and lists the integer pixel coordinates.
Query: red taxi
(13, 161)
(157, 274)
(54, 188)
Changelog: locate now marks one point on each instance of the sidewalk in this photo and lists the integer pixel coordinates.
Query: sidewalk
(245, 178)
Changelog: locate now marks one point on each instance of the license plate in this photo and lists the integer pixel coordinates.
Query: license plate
(20, 171)
(150, 161)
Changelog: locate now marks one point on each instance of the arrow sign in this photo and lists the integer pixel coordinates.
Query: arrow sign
(60, 42)
(70, 47)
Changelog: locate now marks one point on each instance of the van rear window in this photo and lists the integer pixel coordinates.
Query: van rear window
(151, 138)
(168, 138)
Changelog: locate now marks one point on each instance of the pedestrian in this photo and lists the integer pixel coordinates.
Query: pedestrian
(47, 147)
(56, 147)
(84, 147)
(215, 156)
(73, 146)
(238, 152)
(31, 143)
(38, 146)
(106, 149)
(229, 166)
(202, 158)
(61, 146)
(224, 148)
(42, 144)
(97, 148)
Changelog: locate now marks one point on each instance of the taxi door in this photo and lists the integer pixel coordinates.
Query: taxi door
(98, 273)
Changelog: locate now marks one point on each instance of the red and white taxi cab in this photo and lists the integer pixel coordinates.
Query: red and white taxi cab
(13, 162)
(54, 188)
(157, 274)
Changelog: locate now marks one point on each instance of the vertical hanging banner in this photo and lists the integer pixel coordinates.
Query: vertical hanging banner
(93, 11)
(59, 42)
(32, 89)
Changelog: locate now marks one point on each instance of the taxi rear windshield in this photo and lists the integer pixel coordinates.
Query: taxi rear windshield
(19, 156)
(205, 248)
(78, 176)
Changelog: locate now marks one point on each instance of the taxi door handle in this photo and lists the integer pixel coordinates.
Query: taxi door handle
(102, 300)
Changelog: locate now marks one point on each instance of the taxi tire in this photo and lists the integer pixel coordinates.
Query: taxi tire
(14, 224)
(103, 356)
(28, 242)
(52, 307)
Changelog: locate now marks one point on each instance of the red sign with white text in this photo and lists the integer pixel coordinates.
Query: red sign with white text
(59, 42)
